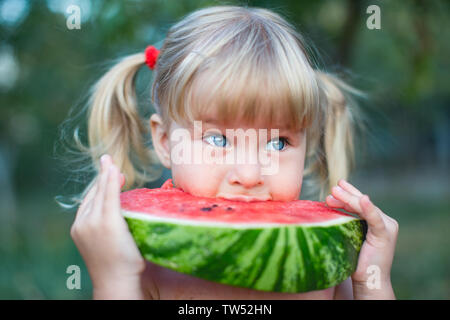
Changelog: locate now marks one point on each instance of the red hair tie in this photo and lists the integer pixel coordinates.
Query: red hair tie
(151, 55)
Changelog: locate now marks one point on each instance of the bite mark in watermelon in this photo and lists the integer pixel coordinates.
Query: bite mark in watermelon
(278, 246)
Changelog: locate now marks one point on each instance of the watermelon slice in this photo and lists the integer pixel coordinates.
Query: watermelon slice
(275, 246)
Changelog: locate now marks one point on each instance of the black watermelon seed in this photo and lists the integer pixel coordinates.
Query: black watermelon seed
(229, 208)
(206, 209)
(215, 205)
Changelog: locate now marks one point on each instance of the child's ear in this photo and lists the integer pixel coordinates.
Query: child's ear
(160, 140)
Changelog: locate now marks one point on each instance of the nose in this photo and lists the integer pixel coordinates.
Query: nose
(246, 175)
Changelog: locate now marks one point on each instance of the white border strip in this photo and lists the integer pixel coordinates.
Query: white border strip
(150, 217)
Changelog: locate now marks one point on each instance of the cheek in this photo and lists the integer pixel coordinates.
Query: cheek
(287, 183)
(199, 180)
(192, 173)
(289, 189)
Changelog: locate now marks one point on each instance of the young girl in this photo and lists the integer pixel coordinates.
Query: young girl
(228, 67)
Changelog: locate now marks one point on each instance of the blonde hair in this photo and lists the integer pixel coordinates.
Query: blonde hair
(250, 64)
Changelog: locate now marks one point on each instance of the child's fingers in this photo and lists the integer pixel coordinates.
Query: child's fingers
(99, 199)
(332, 202)
(87, 201)
(372, 215)
(350, 188)
(364, 208)
(112, 196)
(349, 199)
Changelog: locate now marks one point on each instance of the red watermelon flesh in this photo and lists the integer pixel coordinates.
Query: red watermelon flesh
(171, 202)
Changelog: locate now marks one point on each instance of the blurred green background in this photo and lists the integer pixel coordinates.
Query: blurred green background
(46, 69)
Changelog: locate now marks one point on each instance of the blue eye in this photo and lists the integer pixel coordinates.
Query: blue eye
(218, 140)
(278, 144)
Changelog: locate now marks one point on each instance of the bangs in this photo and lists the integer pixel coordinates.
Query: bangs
(246, 98)
(259, 76)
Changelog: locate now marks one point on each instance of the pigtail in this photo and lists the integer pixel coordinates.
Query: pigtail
(114, 127)
(114, 124)
(334, 149)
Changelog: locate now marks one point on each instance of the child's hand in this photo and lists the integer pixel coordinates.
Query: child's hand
(377, 251)
(101, 234)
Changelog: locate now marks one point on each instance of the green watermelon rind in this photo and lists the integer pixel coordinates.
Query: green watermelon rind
(255, 257)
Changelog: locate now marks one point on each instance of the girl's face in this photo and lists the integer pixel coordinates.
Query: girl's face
(232, 161)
